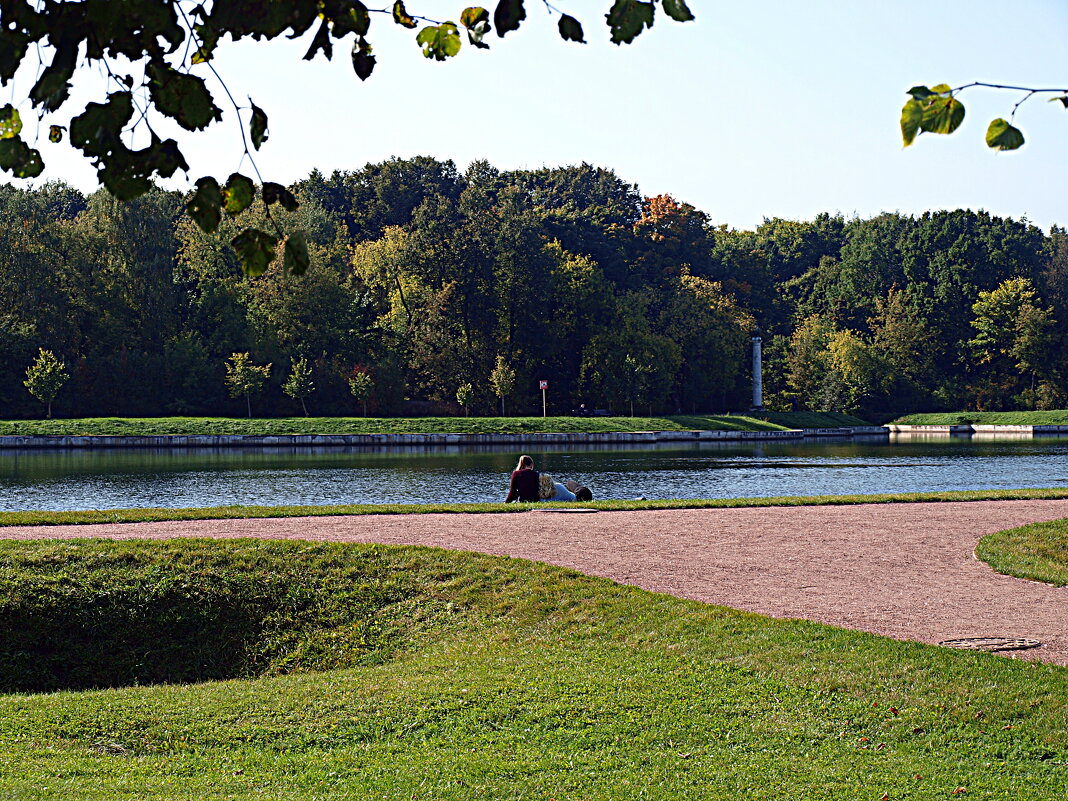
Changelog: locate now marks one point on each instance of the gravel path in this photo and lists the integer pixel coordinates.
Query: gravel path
(901, 570)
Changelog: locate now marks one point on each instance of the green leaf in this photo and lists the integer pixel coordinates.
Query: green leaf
(164, 157)
(13, 46)
(53, 87)
(321, 41)
(911, 117)
(296, 260)
(362, 60)
(184, 98)
(20, 159)
(476, 21)
(276, 193)
(209, 38)
(508, 15)
(401, 17)
(55, 133)
(677, 10)
(628, 18)
(1063, 100)
(1003, 136)
(439, 41)
(353, 18)
(255, 250)
(920, 92)
(473, 16)
(238, 194)
(96, 131)
(942, 114)
(10, 122)
(941, 89)
(257, 126)
(205, 207)
(570, 29)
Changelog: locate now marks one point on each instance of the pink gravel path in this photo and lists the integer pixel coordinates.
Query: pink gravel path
(901, 570)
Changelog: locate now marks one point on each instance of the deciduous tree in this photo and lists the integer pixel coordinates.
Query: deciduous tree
(502, 380)
(45, 377)
(243, 378)
(158, 56)
(299, 384)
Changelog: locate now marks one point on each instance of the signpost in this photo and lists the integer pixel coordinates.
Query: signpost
(543, 385)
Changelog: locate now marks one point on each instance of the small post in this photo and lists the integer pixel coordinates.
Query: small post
(758, 388)
(544, 385)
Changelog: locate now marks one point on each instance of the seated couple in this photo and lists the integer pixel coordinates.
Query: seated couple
(528, 485)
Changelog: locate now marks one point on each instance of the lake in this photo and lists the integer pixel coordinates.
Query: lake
(189, 477)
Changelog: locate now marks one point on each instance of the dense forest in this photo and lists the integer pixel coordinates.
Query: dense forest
(425, 279)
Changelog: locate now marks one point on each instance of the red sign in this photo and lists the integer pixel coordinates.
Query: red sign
(543, 385)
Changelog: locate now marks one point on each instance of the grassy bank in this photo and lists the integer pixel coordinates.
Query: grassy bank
(1038, 551)
(47, 518)
(1052, 417)
(486, 677)
(236, 426)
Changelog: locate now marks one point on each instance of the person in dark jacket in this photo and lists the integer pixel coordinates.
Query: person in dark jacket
(524, 485)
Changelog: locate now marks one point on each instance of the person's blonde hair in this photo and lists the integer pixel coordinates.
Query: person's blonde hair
(545, 486)
(525, 463)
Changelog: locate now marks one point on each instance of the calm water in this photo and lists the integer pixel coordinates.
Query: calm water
(109, 479)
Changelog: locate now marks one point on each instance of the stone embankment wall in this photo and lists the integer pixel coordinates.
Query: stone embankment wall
(976, 428)
(426, 440)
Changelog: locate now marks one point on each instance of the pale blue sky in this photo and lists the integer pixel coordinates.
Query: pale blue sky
(755, 109)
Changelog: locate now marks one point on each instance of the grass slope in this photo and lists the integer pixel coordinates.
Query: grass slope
(538, 682)
(237, 426)
(46, 518)
(1053, 417)
(1038, 551)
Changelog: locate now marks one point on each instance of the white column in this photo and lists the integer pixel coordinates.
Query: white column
(758, 388)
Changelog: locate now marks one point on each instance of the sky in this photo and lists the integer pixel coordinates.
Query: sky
(764, 108)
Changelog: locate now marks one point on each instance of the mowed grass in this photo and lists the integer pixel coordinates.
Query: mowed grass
(146, 515)
(1052, 417)
(1038, 551)
(528, 681)
(239, 426)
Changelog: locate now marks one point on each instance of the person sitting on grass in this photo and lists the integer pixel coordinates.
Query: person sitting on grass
(524, 484)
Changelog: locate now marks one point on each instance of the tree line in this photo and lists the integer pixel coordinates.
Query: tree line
(430, 290)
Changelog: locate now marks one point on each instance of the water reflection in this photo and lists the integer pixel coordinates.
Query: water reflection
(117, 478)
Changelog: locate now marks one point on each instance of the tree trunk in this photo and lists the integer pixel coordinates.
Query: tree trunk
(50, 410)
(302, 406)
(248, 402)
(632, 408)
(365, 408)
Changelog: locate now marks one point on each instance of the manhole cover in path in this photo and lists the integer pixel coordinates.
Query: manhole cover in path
(992, 643)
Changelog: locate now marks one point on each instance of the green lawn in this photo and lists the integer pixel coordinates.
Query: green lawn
(47, 518)
(1038, 551)
(1052, 417)
(117, 426)
(462, 676)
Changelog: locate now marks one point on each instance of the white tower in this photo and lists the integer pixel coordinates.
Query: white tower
(758, 388)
